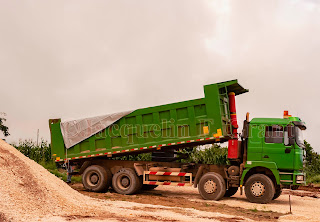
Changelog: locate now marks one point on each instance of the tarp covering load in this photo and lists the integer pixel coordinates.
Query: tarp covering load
(75, 131)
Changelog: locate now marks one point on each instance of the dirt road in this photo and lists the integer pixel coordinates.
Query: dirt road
(186, 201)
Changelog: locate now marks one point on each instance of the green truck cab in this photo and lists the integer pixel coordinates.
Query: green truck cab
(274, 147)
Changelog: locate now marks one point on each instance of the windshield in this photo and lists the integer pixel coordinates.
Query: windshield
(299, 137)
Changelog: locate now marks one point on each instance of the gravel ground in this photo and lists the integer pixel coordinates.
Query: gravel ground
(305, 205)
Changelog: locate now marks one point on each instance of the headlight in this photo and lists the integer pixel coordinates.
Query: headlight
(300, 178)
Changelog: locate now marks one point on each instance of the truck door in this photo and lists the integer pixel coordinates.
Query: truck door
(274, 149)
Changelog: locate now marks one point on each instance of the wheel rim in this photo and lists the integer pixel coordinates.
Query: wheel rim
(258, 189)
(210, 186)
(93, 179)
(124, 182)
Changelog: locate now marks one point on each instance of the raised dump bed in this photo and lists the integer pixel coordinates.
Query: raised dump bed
(181, 124)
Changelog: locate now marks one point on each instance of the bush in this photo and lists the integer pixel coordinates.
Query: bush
(138, 157)
(37, 152)
(314, 179)
(208, 154)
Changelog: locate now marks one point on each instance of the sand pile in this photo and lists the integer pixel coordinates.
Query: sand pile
(27, 190)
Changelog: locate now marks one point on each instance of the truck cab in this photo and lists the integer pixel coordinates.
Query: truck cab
(274, 147)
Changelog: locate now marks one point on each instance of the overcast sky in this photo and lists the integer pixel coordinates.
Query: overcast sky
(75, 59)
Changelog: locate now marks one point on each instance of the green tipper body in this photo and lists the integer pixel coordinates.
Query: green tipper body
(284, 161)
(193, 122)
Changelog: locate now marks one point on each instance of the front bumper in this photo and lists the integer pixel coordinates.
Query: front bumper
(295, 178)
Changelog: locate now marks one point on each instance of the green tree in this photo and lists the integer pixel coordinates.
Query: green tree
(3, 128)
(312, 161)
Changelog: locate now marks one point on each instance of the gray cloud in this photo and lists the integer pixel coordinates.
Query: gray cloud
(77, 59)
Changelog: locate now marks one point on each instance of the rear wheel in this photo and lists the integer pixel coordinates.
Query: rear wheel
(212, 186)
(96, 178)
(277, 192)
(231, 191)
(126, 181)
(259, 188)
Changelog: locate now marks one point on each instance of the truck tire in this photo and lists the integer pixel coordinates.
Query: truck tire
(126, 181)
(277, 193)
(259, 188)
(148, 187)
(231, 191)
(96, 178)
(212, 186)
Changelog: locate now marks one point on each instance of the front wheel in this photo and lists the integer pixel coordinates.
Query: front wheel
(212, 186)
(259, 188)
(277, 192)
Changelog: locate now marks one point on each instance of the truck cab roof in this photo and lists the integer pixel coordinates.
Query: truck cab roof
(281, 121)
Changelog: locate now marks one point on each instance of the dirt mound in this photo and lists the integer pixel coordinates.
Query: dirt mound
(27, 190)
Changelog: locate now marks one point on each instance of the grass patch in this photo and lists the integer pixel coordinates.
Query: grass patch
(254, 210)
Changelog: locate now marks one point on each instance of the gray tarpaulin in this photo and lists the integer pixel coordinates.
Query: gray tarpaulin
(75, 131)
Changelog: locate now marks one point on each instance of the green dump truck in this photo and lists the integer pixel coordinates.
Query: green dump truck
(267, 157)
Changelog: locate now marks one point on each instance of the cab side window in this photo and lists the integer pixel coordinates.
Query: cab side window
(274, 134)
